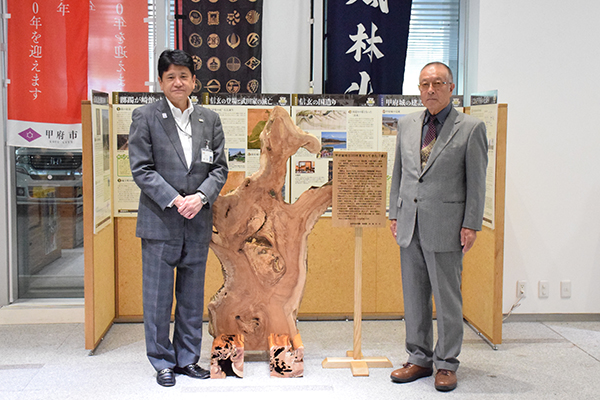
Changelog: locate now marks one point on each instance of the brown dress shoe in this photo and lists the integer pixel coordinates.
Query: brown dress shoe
(445, 380)
(410, 372)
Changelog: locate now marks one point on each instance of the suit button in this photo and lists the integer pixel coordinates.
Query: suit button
(420, 180)
(415, 200)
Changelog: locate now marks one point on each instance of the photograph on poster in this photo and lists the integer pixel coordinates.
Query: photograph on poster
(257, 119)
(305, 167)
(122, 142)
(331, 141)
(236, 159)
(321, 119)
(389, 124)
(237, 155)
(326, 152)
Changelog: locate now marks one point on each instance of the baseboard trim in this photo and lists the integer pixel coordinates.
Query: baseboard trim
(552, 318)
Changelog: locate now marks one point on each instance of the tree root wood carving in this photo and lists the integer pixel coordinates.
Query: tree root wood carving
(261, 242)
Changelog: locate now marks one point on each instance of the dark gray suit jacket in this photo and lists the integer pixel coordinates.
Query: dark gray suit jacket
(449, 193)
(159, 168)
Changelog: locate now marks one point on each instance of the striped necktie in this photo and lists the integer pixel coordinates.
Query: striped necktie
(429, 141)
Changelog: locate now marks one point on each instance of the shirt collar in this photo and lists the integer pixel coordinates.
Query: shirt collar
(441, 116)
(177, 112)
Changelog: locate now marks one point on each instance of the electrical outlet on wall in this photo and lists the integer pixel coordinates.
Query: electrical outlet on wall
(521, 288)
(543, 289)
(565, 289)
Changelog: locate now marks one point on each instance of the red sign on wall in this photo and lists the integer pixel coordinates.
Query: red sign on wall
(47, 72)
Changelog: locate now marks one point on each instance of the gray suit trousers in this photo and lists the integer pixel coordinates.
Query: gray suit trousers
(159, 260)
(425, 273)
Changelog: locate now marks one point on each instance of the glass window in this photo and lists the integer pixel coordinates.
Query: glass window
(49, 206)
(433, 36)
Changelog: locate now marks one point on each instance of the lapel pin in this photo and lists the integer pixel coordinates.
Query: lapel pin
(200, 120)
(165, 115)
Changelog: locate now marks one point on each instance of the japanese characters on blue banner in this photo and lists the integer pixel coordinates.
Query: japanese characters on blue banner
(225, 39)
(366, 43)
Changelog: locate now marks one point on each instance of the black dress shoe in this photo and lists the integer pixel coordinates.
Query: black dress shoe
(193, 370)
(165, 377)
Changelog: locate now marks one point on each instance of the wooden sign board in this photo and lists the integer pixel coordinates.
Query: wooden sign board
(359, 189)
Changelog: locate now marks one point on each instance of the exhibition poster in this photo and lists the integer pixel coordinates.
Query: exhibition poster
(102, 178)
(126, 191)
(360, 128)
(387, 140)
(489, 115)
(338, 129)
(359, 189)
(242, 125)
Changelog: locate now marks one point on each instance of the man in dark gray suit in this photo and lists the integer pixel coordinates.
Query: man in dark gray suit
(436, 208)
(177, 159)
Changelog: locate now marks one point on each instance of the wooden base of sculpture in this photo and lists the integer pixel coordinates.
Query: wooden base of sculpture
(286, 357)
(227, 357)
(354, 360)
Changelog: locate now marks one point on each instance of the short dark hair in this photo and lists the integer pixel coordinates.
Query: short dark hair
(443, 65)
(174, 57)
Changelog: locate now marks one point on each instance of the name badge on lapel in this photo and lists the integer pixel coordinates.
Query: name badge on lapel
(207, 154)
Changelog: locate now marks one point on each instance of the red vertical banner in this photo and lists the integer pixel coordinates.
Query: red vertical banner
(47, 72)
(118, 46)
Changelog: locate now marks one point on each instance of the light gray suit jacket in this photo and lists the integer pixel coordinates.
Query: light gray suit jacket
(159, 168)
(449, 193)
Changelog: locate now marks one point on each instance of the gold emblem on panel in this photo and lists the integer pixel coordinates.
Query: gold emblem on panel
(195, 40)
(213, 86)
(232, 1)
(253, 86)
(197, 62)
(253, 39)
(233, 18)
(213, 40)
(213, 64)
(213, 1)
(195, 17)
(233, 64)
(233, 40)
(233, 86)
(252, 17)
(195, 1)
(253, 63)
(197, 85)
(213, 18)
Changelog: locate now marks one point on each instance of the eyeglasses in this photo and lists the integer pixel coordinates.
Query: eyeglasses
(435, 85)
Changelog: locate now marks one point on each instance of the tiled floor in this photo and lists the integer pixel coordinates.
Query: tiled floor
(538, 360)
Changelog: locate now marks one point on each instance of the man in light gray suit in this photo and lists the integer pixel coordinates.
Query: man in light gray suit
(436, 208)
(177, 159)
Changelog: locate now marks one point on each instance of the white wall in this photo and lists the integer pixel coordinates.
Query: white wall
(286, 46)
(543, 58)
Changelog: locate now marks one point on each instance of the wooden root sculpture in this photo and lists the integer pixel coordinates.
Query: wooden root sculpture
(261, 242)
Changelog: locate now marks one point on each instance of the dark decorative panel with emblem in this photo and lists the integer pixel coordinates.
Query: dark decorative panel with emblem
(224, 38)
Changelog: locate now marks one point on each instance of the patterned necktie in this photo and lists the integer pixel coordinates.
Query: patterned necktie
(429, 141)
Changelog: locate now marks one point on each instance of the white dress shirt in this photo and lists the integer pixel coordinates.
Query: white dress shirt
(184, 128)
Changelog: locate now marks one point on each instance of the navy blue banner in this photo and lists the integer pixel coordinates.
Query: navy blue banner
(225, 40)
(366, 44)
